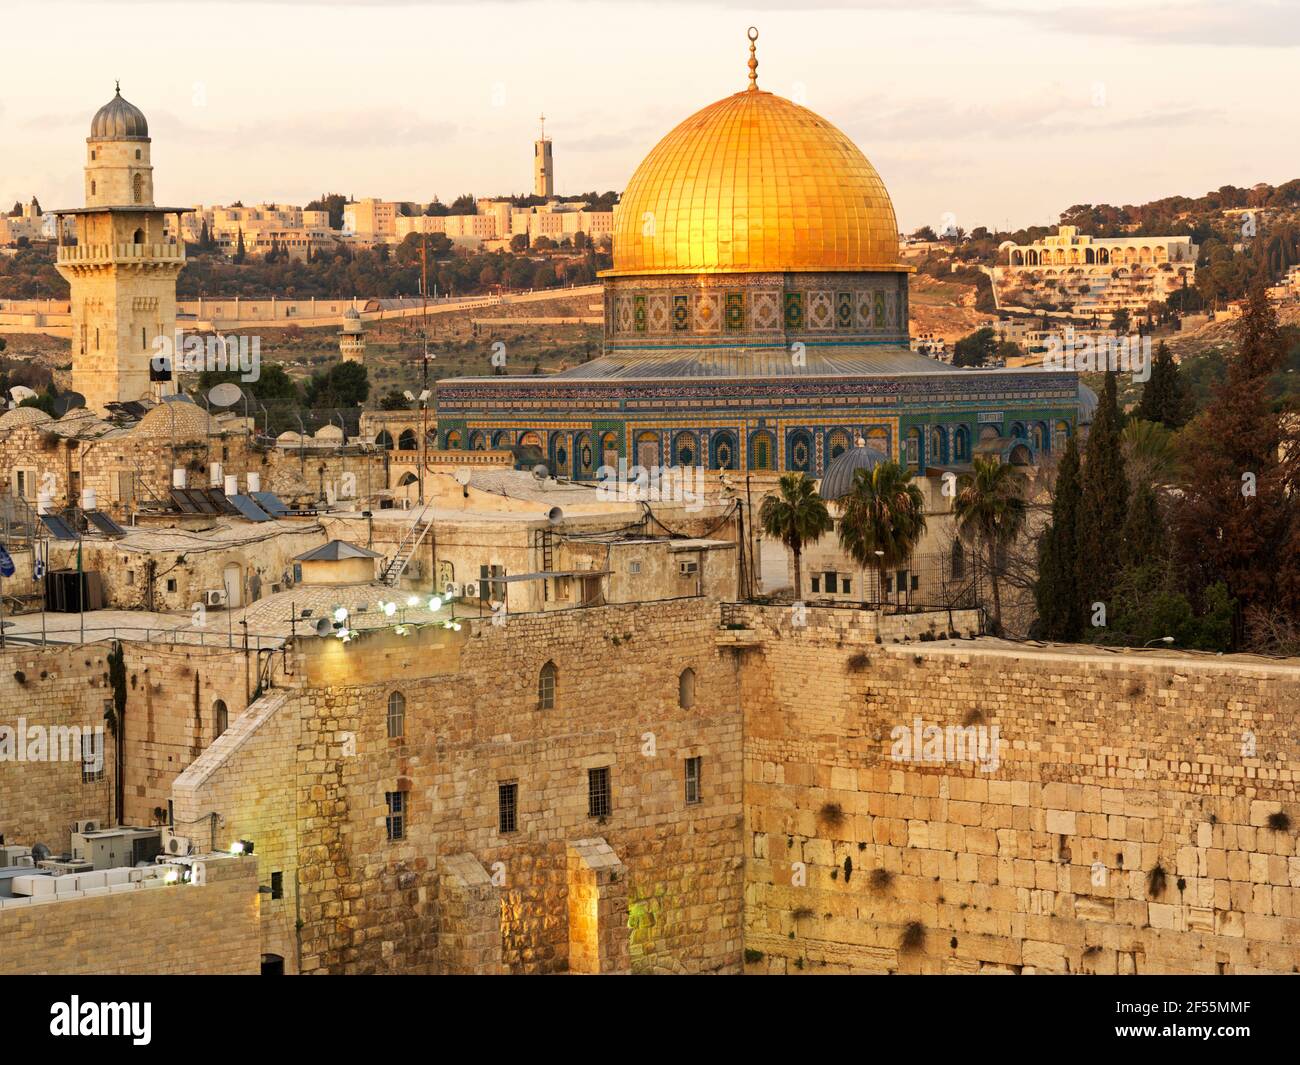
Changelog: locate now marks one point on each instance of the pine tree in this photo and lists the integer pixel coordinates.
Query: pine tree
(1057, 589)
(1103, 504)
(1164, 396)
(239, 247)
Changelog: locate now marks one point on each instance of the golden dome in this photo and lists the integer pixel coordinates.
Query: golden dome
(754, 183)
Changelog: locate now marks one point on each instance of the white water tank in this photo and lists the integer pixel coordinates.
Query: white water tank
(178, 477)
(254, 482)
(215, 471)
(44, 502)
(87, 499)
(232, 484)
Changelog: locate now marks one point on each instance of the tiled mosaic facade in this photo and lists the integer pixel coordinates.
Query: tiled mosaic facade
(762, 309)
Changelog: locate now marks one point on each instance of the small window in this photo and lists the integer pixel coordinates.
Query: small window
(396, 716)
(816, 584)
(686, 689)
(171, 584)
(277, 885)
(846, 585)
(693, 780)
(92, 757)
(395, 822)
(598, 797)
(220, 718)
(508, 807)
(546, 687)
(634, 567)
(137, 153)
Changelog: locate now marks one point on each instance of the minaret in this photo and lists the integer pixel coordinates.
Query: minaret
(123, 268)
(543, 166)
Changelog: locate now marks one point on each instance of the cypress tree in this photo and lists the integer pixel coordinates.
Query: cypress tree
(1056, 591)
(1144, 529)
(1164, 396)
(1103, 505)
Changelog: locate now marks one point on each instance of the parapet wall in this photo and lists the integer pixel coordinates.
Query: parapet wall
(1131, 813)
(163, 929)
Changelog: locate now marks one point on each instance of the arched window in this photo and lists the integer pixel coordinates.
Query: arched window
(396, 716)
(407, 441)
(453, 439)
(220, 718)
(958, 561)
(546, 687)
(137, 237)
(686, 688)
(137, 189)
(913, 453)
(961, 443)
(384, 440)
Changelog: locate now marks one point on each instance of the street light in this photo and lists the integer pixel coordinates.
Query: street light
(1159, 639)
(880, 565)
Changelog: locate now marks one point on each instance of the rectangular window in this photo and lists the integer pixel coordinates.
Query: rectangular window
(277, 885)
(395, 822)
(598, 797)
(831, 582)
(508, 807)
(92, 758)
(816, 584)
(693, 780)
(846, 585)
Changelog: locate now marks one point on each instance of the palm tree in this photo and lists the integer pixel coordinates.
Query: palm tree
(796, 517)
(882, 517)
(990, 510)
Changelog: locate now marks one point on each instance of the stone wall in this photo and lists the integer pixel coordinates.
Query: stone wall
(178, 929)
(1129, 821)
(51, 689)
(305, 773)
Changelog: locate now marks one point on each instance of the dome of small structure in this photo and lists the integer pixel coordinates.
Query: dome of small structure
(179, 420)
(838, 481)
(119, 120)
(19, 416)
(1087, 404)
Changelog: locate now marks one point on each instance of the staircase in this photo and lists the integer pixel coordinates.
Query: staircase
(420, 526)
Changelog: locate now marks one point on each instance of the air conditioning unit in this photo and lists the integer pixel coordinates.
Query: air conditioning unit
(80, 828)
(406, 502)
(214, 597)
(174, 846)
(452, 590)
(470, 590)
(688, 569)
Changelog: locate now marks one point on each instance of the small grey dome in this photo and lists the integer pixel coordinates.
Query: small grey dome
(1087, 404)
(119, 120)
(351, 312)
(838, 480)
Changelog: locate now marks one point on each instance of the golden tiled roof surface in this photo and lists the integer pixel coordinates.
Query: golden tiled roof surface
(754, 183)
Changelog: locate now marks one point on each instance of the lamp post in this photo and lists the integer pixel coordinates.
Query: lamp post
(880, 589)
(1159, 639)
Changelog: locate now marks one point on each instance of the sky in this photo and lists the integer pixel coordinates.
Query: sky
(983, 112)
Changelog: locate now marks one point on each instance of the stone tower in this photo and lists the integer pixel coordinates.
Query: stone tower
(123, 268)
(543, 167)
(352, 337)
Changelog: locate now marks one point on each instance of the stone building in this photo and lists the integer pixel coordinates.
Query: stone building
(755, 320)
(1095, 275)
(122, 270)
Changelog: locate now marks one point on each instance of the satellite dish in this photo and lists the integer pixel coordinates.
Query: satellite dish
(324, 627)
(68, 401)
(22, 392)
(555, 515)
(540, 472)
(462, 476)
(40, 852)
(225, 394)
